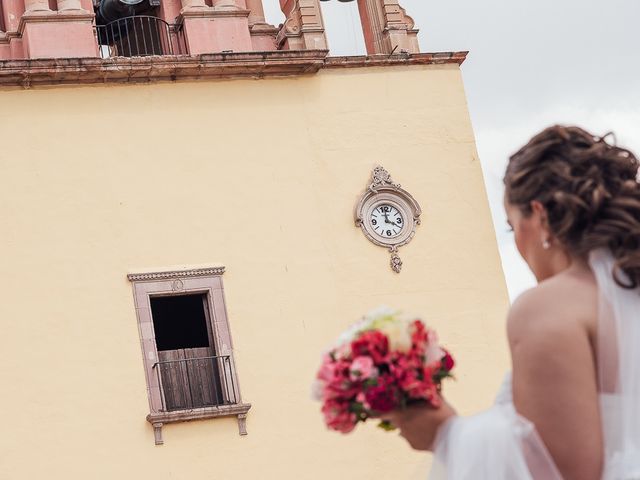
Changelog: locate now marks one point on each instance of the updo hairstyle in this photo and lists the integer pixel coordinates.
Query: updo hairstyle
(590, 191)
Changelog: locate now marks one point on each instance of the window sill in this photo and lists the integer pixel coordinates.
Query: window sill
(160, 418)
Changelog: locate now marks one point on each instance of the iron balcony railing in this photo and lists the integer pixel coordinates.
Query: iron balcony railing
(189, 383)
(140, 35)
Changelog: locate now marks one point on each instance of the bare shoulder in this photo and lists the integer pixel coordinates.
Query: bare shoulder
(565, 304)
(551, 332)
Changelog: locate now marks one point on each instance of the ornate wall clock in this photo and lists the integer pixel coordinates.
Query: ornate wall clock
(387, 214)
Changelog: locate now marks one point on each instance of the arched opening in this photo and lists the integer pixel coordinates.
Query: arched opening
(343, 28)
(272, 12)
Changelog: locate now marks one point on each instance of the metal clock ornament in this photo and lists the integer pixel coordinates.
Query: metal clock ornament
(387, 214)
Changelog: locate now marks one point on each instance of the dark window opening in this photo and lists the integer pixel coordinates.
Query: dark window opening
(180, 322)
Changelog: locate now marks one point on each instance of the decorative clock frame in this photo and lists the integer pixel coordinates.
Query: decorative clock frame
(384, 192)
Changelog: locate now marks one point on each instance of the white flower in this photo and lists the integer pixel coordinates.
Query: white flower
(433, 353)
(390, 322)
(317, 389)
(394, 325)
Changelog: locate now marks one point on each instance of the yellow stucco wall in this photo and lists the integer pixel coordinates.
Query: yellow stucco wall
(259, 176)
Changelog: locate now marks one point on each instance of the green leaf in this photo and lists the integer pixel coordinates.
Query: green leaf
(387, 426)
(370, 382)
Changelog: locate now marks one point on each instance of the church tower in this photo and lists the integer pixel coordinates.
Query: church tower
(191, 200)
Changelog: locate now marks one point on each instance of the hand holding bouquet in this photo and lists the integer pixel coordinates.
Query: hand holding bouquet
(387, 361)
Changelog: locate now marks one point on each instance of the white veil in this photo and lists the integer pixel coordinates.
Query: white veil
(618, 369)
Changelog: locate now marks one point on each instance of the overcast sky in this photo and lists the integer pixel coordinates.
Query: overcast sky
(531, 64)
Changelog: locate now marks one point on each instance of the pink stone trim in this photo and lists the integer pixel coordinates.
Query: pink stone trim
(76, 71)
(162, 68)
(73, 30)
(438, 58)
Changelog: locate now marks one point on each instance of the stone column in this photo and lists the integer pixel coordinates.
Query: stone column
(263, 35)
(257, 12)
(5, 48)
(36, 6)
(303, 28)
(12, 10)
(169, 10)
(69, 5)
(10, 41)
(387, 27)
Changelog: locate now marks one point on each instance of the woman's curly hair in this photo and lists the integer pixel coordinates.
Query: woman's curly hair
(590, 190)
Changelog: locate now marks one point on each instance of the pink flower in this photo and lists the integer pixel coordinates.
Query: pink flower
(327, 369)
(362, 368)
(338, 417)
(383, 397)
(419, 333)
(372, 343)
(447, 361)
(362, 398)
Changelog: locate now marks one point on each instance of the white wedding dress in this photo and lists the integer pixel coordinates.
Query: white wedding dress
(499, 444)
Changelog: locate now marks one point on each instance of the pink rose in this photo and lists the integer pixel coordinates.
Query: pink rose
(448, 362)
(384, 397)
(338, 417)
(362, 368)
(419, 333)
(372, 343)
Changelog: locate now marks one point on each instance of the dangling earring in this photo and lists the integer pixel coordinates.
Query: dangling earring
(545, 244)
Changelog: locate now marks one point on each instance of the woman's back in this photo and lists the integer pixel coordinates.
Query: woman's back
(552, 334)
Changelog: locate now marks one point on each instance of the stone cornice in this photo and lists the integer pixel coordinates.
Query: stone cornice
(195, 272)
(210, 12)
(5, 38)
(44, 16)
(74, 71)
(383, 60)
(60, 71)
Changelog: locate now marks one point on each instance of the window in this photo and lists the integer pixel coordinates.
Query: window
(187, 349)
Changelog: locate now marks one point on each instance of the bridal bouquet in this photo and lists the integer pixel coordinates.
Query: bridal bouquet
(384, 362)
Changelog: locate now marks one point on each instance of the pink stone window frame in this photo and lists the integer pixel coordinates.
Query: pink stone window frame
(196, 281)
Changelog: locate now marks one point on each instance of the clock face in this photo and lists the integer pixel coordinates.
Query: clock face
(387, 221)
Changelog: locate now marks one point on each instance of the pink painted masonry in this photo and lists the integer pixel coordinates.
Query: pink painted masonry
(63, 29)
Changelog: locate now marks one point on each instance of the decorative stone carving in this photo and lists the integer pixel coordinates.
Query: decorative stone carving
(387, 214)
(303, 28)
(157, 433)
(396, 262)
(387, 27)
(196, 272)
(379, 178)
(177, 285)
(242, 423)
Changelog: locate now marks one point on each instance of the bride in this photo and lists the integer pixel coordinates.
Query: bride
(571, 407)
